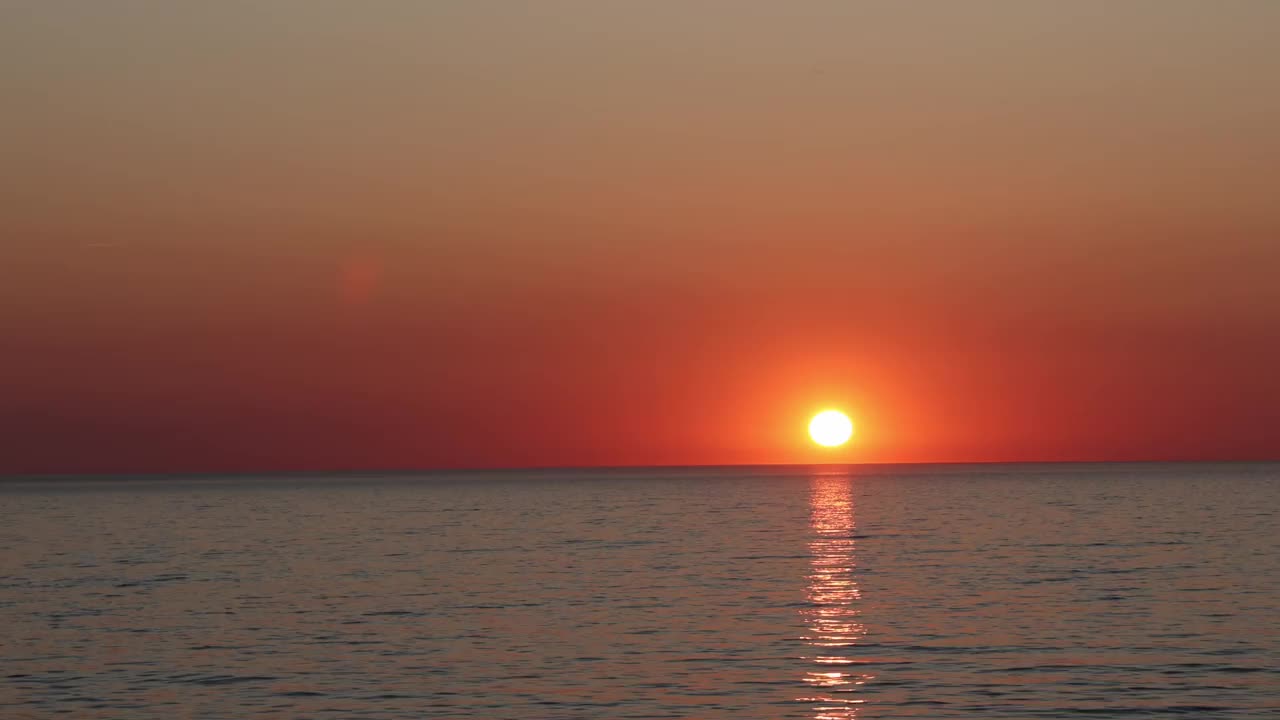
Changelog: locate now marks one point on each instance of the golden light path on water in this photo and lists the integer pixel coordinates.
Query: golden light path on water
(831, 616)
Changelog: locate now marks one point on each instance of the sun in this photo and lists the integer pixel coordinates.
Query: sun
(830, 428)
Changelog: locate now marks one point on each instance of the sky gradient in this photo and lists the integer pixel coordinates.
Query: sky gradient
(330, 235)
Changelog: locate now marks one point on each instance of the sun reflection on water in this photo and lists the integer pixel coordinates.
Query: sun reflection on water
(832, 615)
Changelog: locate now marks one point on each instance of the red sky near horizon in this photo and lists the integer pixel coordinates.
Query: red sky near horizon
(311, 235)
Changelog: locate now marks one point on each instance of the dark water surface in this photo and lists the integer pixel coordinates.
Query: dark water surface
(924, 592)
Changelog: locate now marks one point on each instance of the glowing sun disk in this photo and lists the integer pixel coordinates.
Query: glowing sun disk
(830, 428)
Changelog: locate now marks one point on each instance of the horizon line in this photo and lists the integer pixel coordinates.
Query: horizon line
(467, 470)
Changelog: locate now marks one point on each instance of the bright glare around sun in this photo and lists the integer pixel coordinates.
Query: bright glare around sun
(830, 428)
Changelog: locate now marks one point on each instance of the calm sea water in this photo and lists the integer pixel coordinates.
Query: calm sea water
(922, 592)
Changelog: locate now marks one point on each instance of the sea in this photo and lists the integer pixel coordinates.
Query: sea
(827, 592)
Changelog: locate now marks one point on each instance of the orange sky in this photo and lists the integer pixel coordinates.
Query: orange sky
(335, 235)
